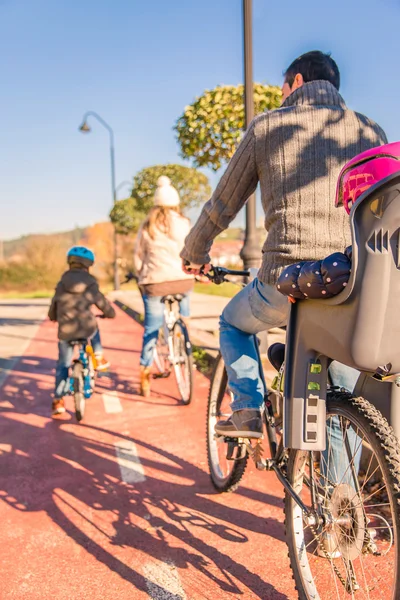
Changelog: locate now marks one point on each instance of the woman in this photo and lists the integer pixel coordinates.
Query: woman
(158, 266)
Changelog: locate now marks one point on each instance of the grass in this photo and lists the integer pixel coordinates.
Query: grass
(204, 362)
(228, 290)
(34, 295)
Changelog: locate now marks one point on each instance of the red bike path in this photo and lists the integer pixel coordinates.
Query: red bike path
(121, 505)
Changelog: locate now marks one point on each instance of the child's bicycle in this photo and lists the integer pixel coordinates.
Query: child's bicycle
(334, 452)
(173, 350)
(82, 376)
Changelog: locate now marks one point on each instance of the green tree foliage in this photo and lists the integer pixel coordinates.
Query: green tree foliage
(210, 129)
(193, 188)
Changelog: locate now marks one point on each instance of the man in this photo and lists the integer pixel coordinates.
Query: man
(295, 153)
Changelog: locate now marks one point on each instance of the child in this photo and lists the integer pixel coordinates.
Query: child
(75, 294)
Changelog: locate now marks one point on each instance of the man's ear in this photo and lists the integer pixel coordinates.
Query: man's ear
(298, 81)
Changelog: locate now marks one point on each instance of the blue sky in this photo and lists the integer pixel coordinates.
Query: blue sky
(138, 63)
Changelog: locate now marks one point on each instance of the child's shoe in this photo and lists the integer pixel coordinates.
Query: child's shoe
(101, 363)
(58, 407)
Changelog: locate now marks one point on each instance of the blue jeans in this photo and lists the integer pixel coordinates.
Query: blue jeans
(153, 320)
(259, 307)
(65, 354)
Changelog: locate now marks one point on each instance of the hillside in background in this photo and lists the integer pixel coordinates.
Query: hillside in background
(66, 239)
(36, 262)
(17, 247)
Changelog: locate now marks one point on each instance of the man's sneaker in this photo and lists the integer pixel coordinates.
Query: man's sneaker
(102, 364)
(245, 423)
(58, 407)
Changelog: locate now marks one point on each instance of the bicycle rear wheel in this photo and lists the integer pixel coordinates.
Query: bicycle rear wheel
(161, 359)
(225, 474)
(353, 552)
(79, 398)
(183, 361)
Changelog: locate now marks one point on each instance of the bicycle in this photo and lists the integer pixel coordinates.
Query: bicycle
(173, 350)
(334, 453)
(82, 376)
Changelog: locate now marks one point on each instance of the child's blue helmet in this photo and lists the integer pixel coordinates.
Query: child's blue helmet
(80, 254)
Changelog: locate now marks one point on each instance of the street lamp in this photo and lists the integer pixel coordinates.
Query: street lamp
(84, 128)
(123, 184)
(250, 253)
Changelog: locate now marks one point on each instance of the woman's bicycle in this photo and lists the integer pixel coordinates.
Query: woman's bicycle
(173, 350)
(336, 457)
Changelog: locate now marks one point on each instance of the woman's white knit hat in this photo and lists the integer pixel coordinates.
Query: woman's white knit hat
(166, 194)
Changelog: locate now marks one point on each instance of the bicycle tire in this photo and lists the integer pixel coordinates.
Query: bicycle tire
(383, 445)
(161, 356)
(225, 478)
(79, 398)
(180, 339)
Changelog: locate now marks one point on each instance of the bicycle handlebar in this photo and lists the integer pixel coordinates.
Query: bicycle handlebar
(130, 277)
(217, 274)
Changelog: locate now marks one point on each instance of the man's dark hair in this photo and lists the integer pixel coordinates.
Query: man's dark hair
(314, 65)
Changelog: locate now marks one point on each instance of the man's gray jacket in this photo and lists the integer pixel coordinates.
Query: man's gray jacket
(295, 153)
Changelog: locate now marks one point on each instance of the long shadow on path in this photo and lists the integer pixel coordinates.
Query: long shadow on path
(70, 473)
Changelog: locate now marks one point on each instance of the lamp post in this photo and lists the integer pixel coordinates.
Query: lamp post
(250, 253)
(123, 184)
(86, 129)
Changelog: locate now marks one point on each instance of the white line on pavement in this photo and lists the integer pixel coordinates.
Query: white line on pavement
(112, 403)
(129, 462)
(162, 581)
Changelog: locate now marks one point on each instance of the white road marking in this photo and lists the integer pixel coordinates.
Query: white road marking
(129, 462)
(112, 403)
(162, 581)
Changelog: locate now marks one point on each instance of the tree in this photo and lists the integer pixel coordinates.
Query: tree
(193, 188)
(210, 129)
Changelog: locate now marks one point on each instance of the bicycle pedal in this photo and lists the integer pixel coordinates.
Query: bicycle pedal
(161, 375)
(101, 374)
(235, 451)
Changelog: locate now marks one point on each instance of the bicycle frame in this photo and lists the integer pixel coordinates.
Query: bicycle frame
(170, 318)
(278, 452)
(85, 353)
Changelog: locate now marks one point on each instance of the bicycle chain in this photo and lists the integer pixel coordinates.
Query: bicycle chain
(343, 581)
(337, 572)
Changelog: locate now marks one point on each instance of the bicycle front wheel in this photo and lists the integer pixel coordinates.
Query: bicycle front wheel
(182, 361)
(353, 551)
(225, 474)
(79, 398)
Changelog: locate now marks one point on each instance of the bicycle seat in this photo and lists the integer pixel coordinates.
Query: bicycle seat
(172, 298)
(78, 342)
(276, 355)
(359, 327)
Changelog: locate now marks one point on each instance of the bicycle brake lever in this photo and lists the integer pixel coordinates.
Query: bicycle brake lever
(216, 275)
